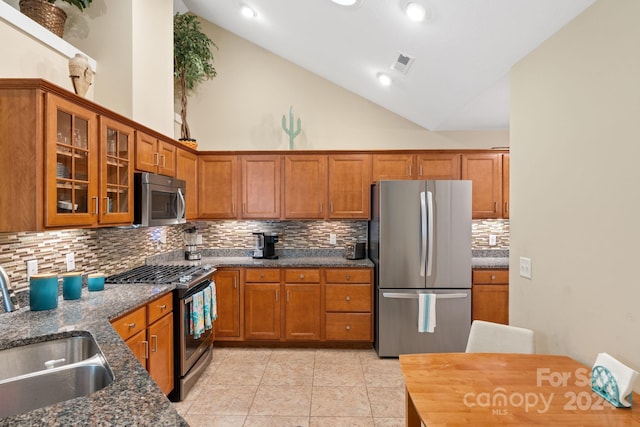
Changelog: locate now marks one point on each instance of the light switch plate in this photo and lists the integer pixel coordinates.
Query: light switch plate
(525, 267)
(492, 240)
(332, 239)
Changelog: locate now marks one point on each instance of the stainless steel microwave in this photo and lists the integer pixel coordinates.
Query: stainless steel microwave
(159, 200)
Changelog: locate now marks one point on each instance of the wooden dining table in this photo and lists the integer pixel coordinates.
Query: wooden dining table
(489, 389)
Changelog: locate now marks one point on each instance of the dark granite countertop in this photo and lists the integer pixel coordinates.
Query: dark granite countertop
(132, 398)
(490, 259)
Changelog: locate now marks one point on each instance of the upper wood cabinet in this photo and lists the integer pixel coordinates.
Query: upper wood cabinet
(217, 187)
(415, 166)
(260, 187)
(187, 170)
(116, 172)
(505, 185)
(349, 186)
(438, 166)
(485, 172)
(71, 164)
(392, 166)
(305, 186)
(154, 155)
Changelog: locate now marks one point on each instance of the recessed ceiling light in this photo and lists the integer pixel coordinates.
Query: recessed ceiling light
(384, 79)
(247, 11)
(416, 12)
(345, 2)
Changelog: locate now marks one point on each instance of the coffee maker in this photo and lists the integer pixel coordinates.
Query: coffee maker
(190, 238)
(265, 245)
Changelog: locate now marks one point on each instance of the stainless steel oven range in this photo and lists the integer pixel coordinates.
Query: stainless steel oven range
(191, 356)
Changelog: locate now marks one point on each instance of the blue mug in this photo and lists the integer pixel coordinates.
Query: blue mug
(71, 285)
(43, 291)
(95, 282)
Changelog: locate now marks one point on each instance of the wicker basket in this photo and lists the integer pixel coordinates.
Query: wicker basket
(190, 144)
(46, 14)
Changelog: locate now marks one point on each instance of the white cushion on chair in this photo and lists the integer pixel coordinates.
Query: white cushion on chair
(488, 337)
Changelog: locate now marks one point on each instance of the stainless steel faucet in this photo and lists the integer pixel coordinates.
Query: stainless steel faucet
(5, 284)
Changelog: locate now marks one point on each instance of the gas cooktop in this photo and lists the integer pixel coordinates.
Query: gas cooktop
(182, 275)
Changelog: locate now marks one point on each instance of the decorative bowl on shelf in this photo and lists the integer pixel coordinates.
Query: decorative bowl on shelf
(66, 205)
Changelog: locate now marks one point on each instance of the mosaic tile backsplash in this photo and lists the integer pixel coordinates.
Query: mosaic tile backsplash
(112, 250)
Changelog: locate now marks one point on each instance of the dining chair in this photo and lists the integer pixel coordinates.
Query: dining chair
(489, 337)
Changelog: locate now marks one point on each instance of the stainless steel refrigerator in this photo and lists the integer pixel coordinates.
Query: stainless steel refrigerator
(420, 242)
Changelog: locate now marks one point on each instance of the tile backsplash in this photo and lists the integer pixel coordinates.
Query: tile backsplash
(112, 250)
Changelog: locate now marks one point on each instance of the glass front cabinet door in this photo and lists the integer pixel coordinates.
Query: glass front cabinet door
(71, 164)
(116, 172)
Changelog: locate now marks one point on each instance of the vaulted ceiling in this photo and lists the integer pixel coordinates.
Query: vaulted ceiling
(462, 51)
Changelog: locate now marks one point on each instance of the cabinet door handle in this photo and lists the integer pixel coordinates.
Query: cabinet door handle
(154, 345)
(288, 295)
(348, 277)
(146, 349)
(495, 206)
(277, 299)
(421, 171)
(164, 160)
(156, 162)
(321, 207)
(409, 170)
(235, 284)
(331, 207)
(506, 207)
(96, 206)
(106, 205)
(244, 207)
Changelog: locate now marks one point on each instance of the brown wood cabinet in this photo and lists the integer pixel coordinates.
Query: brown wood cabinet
(116, 172)
(349, 186)
(392, 166)
(302, 304)
(262, 311)
(228, 299)
(505, 185)
(438, 166)
(187, 170)
(485, 172)
(217, 187)
(260, 187)
(305, 186)
(154, 155)
(348, 304)
(148, 331)
(490, 300)
(416, 166)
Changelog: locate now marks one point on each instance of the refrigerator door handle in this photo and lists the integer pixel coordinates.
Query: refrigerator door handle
(423, 235)
(397, 295)
(429, 231)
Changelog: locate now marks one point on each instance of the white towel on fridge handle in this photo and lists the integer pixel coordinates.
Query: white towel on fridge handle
(426, 312)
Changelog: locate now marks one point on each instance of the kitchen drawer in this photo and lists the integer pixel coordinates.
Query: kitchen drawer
(488, 277)
(302, 275)
(348, 275)
(355, 297)
(132, 323)
(159, 307)
(348, 326)
(262, 275)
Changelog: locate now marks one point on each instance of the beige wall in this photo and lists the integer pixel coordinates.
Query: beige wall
(575, 147)
(242, 108)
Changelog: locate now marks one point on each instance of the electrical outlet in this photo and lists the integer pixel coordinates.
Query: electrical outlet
(492, 240)
(525, 267)
(32, 268)
(332, 239)
(71, 261)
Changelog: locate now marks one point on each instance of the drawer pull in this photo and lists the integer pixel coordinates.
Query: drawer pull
(493, 277)
(348, 298)
(162, 307)
(348, 328)
(302, 276)
(262, 275)
(131, 325)
(348, 277)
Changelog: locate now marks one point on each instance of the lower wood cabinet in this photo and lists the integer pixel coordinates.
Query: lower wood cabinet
(295, 305)
(148, 332)
(490, 300)
(227, 325)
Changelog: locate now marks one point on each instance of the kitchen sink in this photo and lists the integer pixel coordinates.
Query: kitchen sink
(50, 372)
(40, 356)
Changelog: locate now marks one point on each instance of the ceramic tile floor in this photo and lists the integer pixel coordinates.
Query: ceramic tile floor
(296, 387)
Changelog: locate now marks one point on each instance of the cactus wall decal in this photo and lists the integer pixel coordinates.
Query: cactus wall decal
(289, 131)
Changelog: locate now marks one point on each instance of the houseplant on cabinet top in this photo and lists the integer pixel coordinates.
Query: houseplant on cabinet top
(192, 63)
(47, 14)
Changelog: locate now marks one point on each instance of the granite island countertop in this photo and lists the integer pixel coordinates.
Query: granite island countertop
(490, 259)
(133, 398)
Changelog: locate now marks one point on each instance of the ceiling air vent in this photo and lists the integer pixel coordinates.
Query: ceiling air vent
(402, 63)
